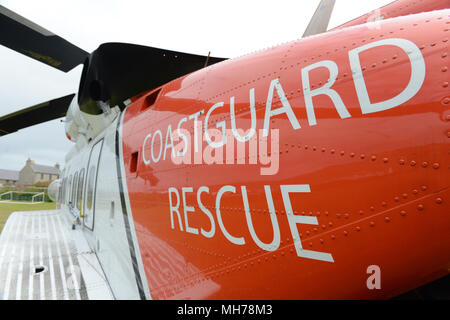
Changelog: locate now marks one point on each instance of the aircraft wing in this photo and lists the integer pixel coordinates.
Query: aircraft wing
(41, 257)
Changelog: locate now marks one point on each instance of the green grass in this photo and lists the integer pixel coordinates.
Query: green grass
(7, 208)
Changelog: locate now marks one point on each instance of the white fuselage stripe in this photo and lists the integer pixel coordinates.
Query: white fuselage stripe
(41, 261)
(12, 258)
(50, 259)
(31, 274)
(129, 215)
(9, 227)
(61, 265)
(72, 269)
(20, 273)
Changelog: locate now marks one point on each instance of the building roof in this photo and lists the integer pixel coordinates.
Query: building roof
(39, 168)
(9, 175)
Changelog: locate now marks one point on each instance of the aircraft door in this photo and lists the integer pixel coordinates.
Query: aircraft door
(91, 185)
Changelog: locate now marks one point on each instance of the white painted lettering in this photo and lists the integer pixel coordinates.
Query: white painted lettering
(414, 85)
(220, 124)
(286, 108)
(252, 129)
(325, 89)
(295, 219)
(275, 244)
(157, 133)
(238, 241)
(187, 209)
(212, 231)
(175, 208)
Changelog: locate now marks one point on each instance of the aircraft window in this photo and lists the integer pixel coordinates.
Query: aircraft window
(64, 191)
(60, 191)
(74, 189)
(61, 186)
(90, 187)
(80, 189)
(69, 189)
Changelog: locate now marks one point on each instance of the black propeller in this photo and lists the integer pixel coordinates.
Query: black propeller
(30, 39)
(24, 118)
(112, 73)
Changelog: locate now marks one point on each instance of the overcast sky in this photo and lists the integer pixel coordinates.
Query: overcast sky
(226, 28)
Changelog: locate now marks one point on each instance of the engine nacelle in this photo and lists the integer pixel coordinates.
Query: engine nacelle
(79, 123)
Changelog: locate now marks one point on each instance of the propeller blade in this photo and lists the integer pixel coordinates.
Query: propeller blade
(321, 18)
(118, 71)
(39, 113)
(30, 39)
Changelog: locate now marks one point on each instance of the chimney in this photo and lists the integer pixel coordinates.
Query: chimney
(57, 166)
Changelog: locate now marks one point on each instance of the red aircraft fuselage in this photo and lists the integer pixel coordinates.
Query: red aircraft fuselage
(357, 128)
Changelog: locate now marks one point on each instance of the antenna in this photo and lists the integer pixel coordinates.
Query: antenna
(207, 59)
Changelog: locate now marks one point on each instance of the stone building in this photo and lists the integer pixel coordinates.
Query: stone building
(33, 173)
(8, 177)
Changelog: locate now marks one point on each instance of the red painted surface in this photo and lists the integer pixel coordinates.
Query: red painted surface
(379, 181)
(398, 8)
